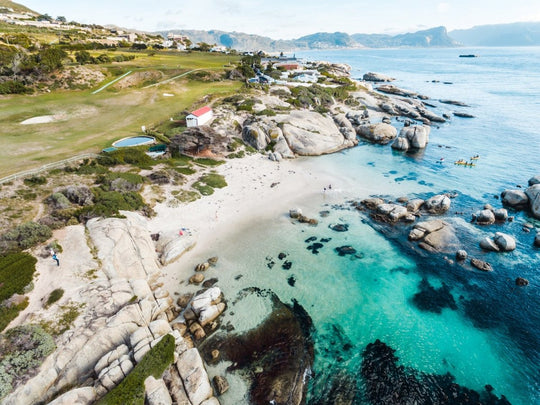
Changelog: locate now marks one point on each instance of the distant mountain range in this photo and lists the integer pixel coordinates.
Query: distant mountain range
(435, 37)
(516, 34)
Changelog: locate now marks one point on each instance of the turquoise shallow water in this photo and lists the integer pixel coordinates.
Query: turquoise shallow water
(493, 334)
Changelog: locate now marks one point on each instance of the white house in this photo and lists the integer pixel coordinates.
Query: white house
(199, 117)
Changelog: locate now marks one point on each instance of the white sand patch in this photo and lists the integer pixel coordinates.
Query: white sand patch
(44, 119)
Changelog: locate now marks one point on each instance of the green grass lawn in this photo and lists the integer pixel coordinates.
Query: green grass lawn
(89, 122)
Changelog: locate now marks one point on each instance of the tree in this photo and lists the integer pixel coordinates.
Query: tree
(61, 19)
(50, 59)
(44, 17)
(83, 57)
(204, 47)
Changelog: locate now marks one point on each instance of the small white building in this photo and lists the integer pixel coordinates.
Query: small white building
(199, 117)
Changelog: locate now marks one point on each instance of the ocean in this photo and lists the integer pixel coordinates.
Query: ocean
(487, 331)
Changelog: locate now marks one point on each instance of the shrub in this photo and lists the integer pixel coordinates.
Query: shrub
(154, 363)
(10, 312)
(214, 180)
(134, 156)
(120, 181)
(108, 203)
(35, 180)
(16, 272)
(54, 296)
(209, 162)
(14, 87)
(22, 349)
(267, 112)
(58, 201)
(24, 236)
(185, 170)
(203, 188)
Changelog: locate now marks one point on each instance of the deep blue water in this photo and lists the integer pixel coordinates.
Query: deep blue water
(492, 335)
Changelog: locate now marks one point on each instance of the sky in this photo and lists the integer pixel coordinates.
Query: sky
(287, 19)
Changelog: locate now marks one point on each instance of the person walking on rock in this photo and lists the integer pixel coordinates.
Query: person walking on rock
(55, 258)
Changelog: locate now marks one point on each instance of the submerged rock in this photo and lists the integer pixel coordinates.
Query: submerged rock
(481, 265)
(387, 382)
(432, 299)
(339, 227)
(345, 250)
(522, 282)
(280, 349)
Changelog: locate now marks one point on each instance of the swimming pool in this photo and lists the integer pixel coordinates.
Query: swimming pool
(134, 141)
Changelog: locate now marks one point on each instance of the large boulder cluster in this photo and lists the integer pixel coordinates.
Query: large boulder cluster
(408, 211)
(412, 137)
(126, 312)
(530, 198)
(304, 133)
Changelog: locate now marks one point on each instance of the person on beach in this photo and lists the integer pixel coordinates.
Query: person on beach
(55, 257)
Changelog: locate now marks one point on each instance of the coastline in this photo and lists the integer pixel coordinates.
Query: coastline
(261, 191)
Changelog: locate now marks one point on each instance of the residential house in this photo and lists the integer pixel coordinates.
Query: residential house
(199, 117)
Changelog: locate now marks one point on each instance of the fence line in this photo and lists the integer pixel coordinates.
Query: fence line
(48, 166)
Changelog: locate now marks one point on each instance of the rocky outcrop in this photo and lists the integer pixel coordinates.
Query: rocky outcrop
(435, 236)
(377, 77)
(412, 137)
(437, 205)
(124, 246)
(125, 314)
(380, 133)
(501, 242)
(537, 240)
(534, 180)
(345, 127)
(259, 133)
(309, 133)
(391, 89)
(530, 198)
(191, 369)
(171, 245)
(484, 217)
(515, 198)
(199, 140)
(156, 392)
(533, 193)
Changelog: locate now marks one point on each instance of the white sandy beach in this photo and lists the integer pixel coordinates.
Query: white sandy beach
(248, 199)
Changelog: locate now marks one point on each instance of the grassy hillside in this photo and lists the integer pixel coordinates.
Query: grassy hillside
(16, 7)
(88, 122)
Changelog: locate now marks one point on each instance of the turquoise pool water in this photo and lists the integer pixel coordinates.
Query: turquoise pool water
(134, 141)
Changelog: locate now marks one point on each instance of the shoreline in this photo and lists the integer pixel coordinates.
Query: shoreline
(258, 190)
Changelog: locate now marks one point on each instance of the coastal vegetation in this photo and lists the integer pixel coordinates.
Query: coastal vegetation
(154, 363)
(22, 350)
(16, 273)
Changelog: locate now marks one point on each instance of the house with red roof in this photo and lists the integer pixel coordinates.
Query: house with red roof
(199, 117)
